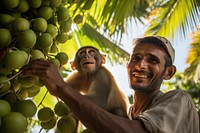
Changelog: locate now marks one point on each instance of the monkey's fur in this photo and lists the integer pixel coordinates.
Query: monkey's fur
(96, 82)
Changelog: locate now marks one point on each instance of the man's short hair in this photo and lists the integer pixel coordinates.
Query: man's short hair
(161, 41)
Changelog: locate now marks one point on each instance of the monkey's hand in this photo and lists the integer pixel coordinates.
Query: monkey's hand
(48, 74)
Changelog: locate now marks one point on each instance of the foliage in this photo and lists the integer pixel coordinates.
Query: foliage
(180, 81)
(169, 16)
(103, 25)
(193, 59)
(104, 15)
(108, 20)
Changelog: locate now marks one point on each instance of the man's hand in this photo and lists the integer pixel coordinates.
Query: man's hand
(47, 72)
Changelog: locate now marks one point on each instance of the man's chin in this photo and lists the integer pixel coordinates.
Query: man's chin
(139, 88)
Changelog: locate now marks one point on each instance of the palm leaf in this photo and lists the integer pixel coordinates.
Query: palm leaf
(111, 15)
(171, 16)
(87, 35)
(44, 99)
(107, 46)
(193, 59)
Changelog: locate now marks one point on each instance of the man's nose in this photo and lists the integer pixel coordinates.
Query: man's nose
(142, 64)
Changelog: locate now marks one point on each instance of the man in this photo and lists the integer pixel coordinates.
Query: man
(151, 62)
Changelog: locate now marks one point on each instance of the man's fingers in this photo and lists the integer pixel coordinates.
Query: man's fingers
(42, 68)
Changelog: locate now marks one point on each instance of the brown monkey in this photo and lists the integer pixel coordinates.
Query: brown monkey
(96, 82)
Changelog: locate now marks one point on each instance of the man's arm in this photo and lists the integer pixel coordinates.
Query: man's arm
(95, 118)
(92, 116)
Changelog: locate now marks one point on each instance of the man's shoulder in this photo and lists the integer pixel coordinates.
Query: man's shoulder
(174, 109)
(177, 93)
(177, 96)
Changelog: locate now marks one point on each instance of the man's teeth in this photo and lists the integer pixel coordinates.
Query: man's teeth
(140, 75)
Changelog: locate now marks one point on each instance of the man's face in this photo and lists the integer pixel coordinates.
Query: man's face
(146, 67)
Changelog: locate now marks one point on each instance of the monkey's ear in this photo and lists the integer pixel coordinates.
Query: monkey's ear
(103, 58)
(72, 65)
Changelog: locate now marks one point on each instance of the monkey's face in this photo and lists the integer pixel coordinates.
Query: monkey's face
(87, 57)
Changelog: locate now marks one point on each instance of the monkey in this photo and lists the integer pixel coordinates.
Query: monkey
(92, 79)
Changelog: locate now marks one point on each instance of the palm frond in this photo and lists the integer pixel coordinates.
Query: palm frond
(193, 59)
(173, 16)
(111, 16)
(107, 46)
(87, 35)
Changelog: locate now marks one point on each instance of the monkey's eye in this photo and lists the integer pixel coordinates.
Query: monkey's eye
(92, 52)
(82, 53)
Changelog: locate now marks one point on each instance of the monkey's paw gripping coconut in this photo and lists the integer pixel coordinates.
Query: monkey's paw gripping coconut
(29, 30)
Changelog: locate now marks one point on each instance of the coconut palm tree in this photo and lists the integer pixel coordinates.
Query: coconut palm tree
(193, 70)
(104, 22)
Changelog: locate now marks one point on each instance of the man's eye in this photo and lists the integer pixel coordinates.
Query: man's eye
(153, 60)
(135, 58)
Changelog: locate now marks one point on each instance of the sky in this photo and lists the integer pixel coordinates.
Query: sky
(119, 71)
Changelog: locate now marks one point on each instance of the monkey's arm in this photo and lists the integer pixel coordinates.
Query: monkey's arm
(92, 116)
(118, 102)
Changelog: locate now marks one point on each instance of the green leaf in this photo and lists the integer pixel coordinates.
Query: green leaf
(43, 99)
(172, 16)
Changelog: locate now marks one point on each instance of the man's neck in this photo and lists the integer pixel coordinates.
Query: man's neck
(142, 101)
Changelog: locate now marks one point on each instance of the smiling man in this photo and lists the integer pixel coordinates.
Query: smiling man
(153, 111)
(151, 62)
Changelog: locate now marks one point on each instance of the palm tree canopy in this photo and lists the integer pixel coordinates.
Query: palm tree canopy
(104, 23)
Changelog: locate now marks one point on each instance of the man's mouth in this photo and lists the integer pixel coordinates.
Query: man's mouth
(140, 75)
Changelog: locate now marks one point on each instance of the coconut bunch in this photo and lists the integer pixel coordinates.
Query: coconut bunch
(29, 30)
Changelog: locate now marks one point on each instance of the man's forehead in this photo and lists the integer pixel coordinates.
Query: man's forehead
(148, 48)
(160, 41)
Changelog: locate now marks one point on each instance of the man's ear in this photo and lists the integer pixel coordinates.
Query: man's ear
(169, 72)
(72, 65)
(103, 58)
